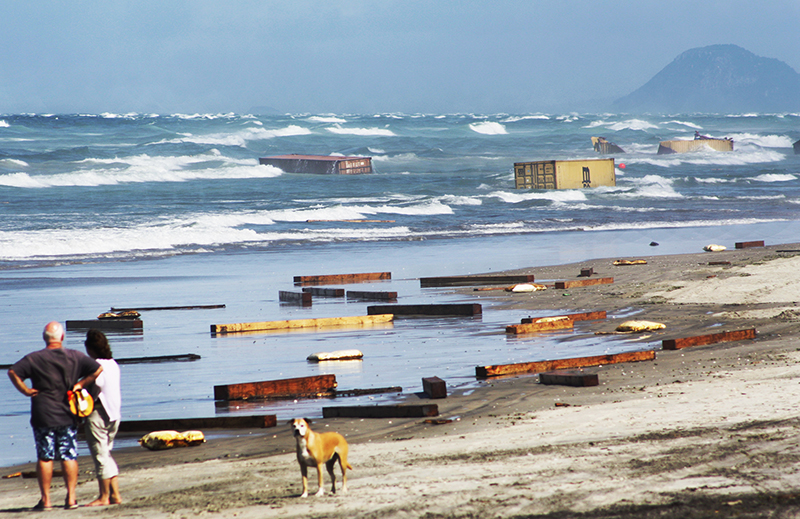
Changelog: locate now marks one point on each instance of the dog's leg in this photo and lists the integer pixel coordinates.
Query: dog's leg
(321, 490)
(330, 464)
(304, 472)
(342, 455)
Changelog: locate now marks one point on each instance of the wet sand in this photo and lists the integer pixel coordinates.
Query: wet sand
(699, 432)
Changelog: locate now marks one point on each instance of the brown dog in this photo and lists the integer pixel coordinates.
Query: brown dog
(314, 449)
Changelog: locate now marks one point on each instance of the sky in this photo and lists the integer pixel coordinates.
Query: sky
(361, 56)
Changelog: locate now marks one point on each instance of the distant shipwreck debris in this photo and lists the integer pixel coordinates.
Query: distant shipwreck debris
(700, 141)
(320, 164)
(797, 148)
(603, 147)
(564, 174)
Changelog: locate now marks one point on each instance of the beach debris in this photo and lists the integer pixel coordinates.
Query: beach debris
(748, 244)
(341, 279)
(14, 475)
(381, 411)
(526, 287)
(494, 279)
(582, 316)
(654, 244)
(372, 295)
(438, 421)
(127, 314)
(300, 298)
(544, 324)
(467, 309)
(160, 440)
(702, 340)
(434, 387)
(569, 378)
(154, 308)
(335, 355)
(630, 262)
(713, 247)
(559, 364)
(321, 322)
(561, 285)
(640, 326)
(585, 273)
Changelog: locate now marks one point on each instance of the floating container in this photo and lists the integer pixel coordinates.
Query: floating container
(603, 147)
(320, 164)
(564, 174)
(797, 148)
(666, 147)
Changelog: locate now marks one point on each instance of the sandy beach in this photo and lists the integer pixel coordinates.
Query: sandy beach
(699, 432)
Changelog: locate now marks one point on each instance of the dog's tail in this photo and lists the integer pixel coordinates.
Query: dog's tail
(348, 466)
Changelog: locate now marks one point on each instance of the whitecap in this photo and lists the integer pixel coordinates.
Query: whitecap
(326, 119)
(365, 132)
(488, 128)
(4, 124)
(774, 177)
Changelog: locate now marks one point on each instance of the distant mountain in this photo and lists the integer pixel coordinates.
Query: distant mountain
(718, 78)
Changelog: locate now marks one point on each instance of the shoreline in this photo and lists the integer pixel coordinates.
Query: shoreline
(705, 428)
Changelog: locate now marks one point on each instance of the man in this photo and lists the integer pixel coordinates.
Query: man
(53, 371)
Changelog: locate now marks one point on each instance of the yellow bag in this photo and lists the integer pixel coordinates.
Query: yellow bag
(80, 403)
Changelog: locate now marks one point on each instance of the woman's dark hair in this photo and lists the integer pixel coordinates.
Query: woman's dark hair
(97, 343)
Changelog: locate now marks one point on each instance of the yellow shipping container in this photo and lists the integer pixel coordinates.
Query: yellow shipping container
(564, 174)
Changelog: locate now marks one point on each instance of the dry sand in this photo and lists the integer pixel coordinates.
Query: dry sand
(707, 431)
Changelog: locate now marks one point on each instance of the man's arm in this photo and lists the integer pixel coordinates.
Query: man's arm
(20, 384)
(87, 380)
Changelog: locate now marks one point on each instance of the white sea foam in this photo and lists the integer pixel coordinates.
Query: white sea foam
(514, 197)
(4, 124)
(13, 163)
(240, 137)
(686, 123)
(145, 168)
(326, 119)
(517, 118)
(774, 177)
(651, 186)
(364, 132)
(630, 124)
(764, 141)
(488, 128)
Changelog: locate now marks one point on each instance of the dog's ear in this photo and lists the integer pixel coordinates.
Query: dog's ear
(307, 421)
(290, 422)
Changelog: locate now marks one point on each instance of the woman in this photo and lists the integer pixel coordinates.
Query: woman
(103, 424)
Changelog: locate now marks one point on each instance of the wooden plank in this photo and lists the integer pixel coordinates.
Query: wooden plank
(544, 326)
(184, 424)
(475, 280)
(186, 357)
(381, 411)
(569, 378)
(359, 392)
(434, 387)
(372, 296)
(702, 340)
(324, 292)
(149, 308)
(747, 244)
(553, 365)
(561, 285)
(340, 279)
(303, 298)
(720, 262)
(323, 322)
(582, 316)
(446, 309)
(290, 387)
(106, 324)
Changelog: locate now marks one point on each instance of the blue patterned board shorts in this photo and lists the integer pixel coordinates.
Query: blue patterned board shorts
(59, 443)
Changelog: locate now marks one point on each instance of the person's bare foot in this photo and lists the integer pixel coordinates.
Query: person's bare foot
(98, 502)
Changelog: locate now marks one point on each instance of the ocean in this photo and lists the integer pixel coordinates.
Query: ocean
(137, 210)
